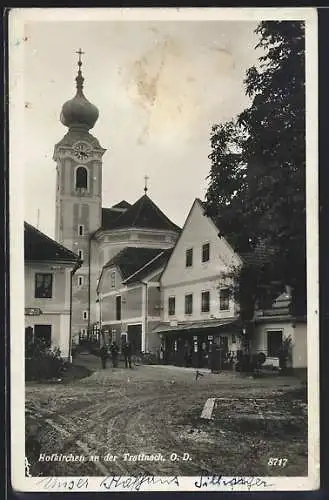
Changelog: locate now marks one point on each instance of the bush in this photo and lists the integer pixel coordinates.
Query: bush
(148, 358)
(42, 362)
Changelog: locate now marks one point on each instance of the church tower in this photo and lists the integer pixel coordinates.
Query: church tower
(79, 195)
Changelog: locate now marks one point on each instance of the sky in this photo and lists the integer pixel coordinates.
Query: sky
(159, 87)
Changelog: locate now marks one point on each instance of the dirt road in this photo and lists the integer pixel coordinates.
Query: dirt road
(146, 421)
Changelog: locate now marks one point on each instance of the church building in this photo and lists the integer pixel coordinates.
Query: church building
(95, 233)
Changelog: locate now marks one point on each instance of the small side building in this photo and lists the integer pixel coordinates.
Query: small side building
(277, 329)
(130, 299)
(49, 268)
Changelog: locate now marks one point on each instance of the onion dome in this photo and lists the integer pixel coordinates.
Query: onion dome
(79, 112)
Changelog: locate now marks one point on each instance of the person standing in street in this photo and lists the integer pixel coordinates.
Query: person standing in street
(114, 349)
(103, 355)
(127, 351)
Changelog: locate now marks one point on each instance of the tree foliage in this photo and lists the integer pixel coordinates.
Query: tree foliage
(257, 178)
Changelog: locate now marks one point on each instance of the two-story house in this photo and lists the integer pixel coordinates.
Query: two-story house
(198, 310)
(49, 268)
(129, 297)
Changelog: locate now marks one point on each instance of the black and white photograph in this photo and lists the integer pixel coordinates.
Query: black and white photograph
(163, 242)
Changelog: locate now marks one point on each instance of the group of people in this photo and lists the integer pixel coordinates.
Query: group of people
(113, 350)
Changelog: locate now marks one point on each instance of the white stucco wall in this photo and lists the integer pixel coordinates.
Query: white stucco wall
(179, 280)
(296, 332)
(55, 310)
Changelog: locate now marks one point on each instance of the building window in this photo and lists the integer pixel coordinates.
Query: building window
(113, 279)
(85, 315)
(81, 178)
(205, 302)
(80, 280)
(43, 286)
(42, 333)
(224, 299)
(80, 253)
(274, 343)
(189, 257)
(205, 252)
(188, 303)
(118, 308)
(81, 230)
(171, 306)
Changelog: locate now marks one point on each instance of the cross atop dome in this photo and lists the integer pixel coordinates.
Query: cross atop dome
(146, 178)
(79, 79)
(80, 52)
(79, 112)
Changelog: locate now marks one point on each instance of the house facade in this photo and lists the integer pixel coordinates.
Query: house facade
(49, 270)
(130, 299)
(199, 314)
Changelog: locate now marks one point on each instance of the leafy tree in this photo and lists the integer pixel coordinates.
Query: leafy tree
(257, 179)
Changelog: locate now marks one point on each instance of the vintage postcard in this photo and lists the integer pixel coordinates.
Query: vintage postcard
(164, 249)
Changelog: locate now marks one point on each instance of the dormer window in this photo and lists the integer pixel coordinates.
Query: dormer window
(81, 178)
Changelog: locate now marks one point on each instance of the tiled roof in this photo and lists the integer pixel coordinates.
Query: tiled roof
(156, 263)
(123, 204)
(39, 247)
(109, 216)
(132, 259)
(142, 214)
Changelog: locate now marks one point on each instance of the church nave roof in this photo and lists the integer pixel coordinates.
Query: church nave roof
(144, 213)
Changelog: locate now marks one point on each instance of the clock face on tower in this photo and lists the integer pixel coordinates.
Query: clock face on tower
(82, 151)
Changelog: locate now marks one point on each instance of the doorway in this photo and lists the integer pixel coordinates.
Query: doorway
(135, 338)
(274, 343)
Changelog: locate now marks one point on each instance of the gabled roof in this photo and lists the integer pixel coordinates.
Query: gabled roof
(259, 255)
(132, 259)
(109, 216)
(123, 204)
(39, 247)
(157, 262)
(142, 214)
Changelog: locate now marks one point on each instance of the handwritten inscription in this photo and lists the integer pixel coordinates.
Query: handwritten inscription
(139, 483)
(135, 483)
(53, 483)
(250, 482)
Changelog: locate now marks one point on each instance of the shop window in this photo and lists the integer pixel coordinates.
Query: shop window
(205, 252)
(43, 285)
(171, 306)
(224, 299)
(189, 257)
(188, 304)
(205, 301)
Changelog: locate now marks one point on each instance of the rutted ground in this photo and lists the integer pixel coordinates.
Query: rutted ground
(156, 410)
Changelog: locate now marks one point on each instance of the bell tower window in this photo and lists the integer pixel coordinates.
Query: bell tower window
(81, 178)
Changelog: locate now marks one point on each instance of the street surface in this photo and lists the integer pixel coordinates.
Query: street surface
(154, 412)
